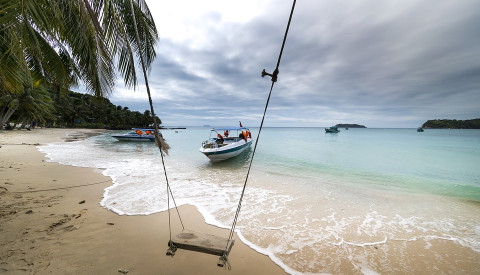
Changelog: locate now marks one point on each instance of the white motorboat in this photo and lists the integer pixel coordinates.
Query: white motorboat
(137, 135)
(225, 143)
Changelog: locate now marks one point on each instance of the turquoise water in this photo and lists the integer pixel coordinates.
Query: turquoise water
(314, 198)
(435, 161)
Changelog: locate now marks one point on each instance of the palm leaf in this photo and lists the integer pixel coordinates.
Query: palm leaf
(88, 50)
(120, 35)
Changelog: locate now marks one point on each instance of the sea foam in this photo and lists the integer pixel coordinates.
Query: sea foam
(302, 212)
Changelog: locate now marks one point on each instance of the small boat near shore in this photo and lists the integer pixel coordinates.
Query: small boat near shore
(137, 135)
(333, 130)
(224, 144)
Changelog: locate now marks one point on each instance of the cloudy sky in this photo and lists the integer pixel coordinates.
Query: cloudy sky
(380, 63)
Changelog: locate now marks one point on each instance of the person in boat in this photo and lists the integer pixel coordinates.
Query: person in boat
(219, 139)
(244, 134)
(241, 135)
(225, 133)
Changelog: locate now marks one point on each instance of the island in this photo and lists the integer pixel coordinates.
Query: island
(350, 126)
(452, 124)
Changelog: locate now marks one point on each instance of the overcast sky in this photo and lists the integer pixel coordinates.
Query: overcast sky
(380, 63)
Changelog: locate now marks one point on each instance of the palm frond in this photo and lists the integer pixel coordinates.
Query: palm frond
(120, 35)
(68, 40)
(87, 48)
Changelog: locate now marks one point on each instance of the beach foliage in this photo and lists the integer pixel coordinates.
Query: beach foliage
(452, 124)
(77, 110)
(59, 43)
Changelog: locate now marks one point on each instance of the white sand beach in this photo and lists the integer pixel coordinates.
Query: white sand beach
(51, 221)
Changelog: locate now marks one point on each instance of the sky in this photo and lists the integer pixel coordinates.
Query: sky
(379, 63)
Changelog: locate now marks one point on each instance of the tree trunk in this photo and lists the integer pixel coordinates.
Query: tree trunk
(57, 89)
(6, 114)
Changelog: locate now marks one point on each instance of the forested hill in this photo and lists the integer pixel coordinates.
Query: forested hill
(74, 110)
(86, 111)
(452, 124)
(350, 126)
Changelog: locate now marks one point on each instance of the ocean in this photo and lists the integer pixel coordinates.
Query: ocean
(371, 201)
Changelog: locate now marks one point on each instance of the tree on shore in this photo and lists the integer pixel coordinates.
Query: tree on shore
(77, 110)
(55, 42)
(452, 124)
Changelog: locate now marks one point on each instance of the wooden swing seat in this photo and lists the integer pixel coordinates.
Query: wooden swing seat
(201, 242)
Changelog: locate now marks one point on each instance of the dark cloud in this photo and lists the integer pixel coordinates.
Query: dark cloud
(378, 63)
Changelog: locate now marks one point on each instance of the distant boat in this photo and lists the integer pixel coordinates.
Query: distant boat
(419, 129)
(137, 135)
(333, 129)
(221, 147)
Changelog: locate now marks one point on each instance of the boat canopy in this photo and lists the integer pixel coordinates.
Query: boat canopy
(230, 129)
(144, 129)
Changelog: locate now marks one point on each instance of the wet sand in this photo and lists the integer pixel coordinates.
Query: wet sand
(51, 221)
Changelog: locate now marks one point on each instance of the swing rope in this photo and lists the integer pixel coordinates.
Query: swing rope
(274, 79)
(158, 141)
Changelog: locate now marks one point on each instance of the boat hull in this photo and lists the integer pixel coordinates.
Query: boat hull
(332, 130)
(135, 138)
(226, 152)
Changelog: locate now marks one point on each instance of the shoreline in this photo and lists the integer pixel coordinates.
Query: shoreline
(51, 221)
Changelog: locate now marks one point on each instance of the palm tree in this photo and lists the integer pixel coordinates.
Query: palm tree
(34, 105)
(66, 39)
(28, 42)
(8, 106)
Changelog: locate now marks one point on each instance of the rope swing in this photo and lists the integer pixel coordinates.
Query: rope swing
(162, 145)
(274, 76)
(188, 239)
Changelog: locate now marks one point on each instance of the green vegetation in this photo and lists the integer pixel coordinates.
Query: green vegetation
(76, 110)
(452, 124)
(49, 46)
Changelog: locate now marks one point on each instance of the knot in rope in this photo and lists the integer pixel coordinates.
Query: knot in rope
(171, 249)
(224, 262)
(272, 75)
